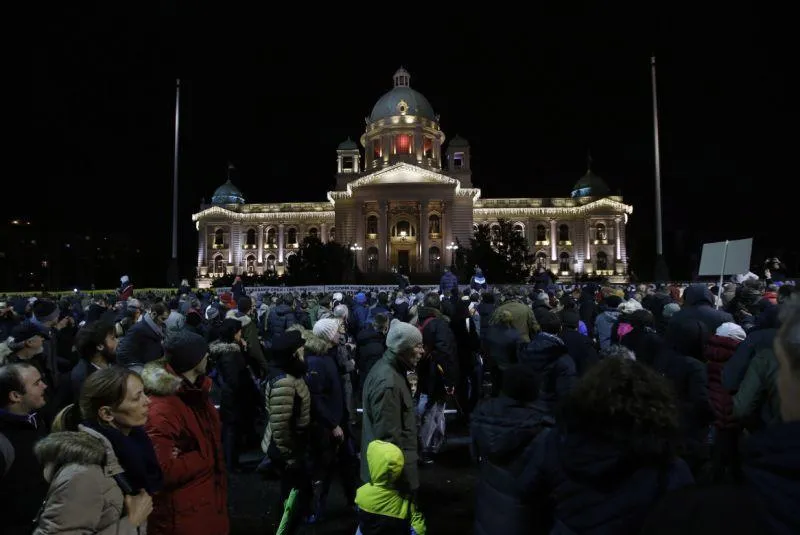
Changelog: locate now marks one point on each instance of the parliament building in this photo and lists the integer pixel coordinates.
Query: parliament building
(402, 200)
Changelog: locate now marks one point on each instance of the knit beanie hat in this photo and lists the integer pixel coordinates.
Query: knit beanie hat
(327, 329)
(731, 330)
(402, 336)
(630, 306)
(612, 301)
(45, 310)
(184, 350)
(340, 312)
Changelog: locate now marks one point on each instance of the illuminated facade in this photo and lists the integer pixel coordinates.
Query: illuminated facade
(405, 202)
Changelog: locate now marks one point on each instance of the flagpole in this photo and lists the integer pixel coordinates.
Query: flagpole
(659, 235)
(175, 172)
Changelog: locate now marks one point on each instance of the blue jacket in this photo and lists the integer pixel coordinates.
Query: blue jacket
(325, 386)
(448, 282)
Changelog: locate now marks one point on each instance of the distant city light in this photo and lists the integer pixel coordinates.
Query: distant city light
(75, 290)
(44, 263)
(67, 245)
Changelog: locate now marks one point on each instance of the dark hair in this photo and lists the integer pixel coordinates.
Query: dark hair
(627, 403)
(90, 336)
(788, 337)
(383, 298)
(159, 309)
(228, 329)
(432, 300)
(11, 380)
(106, 387)
(380, 320)
(487, 297)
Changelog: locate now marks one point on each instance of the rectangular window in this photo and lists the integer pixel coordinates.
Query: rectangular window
(458, 160)
(428, 147)
(402, 144)
(376, 148)
(347, 163)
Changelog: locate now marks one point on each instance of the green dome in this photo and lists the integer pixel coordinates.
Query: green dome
(227, 194)
(458, 141)
(590, 185)
(402, 100)
(348, 144)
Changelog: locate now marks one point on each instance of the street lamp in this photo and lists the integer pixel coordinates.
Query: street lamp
(355, 248)
(452, 248)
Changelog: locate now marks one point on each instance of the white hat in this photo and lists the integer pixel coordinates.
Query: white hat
(731, 330)
(338, 296)
(327, 329)
(124, 279)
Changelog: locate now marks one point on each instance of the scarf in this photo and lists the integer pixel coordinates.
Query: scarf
(136, 455)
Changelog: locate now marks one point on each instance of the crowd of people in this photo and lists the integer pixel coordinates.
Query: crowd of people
(601, 410)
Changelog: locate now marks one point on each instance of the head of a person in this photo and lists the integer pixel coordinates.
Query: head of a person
(570, 319)
(432, 300)
(288, 349)
(133, 309)
(230, 331)
(520, 383)
(159, 313)
(187, 354)
(405, 341)
(46, 312)
(327, 329)
(244, 304)
(487, 297)
(787, 351)
(341, 313)
(687, 337)
(112, 397)
(97, 339)
(617, 351)
(380, 322)
(505, 318)
(28, 337)
(385, 462)
(21, 388)
(627, 403)
(785, 293)
(550, 322)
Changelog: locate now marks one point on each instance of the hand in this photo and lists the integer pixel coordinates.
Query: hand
(337, 432)
(243, 342)
(139, 508)
(63, 323)
(450, 390)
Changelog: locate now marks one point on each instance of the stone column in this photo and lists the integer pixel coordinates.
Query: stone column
(383, 235)
(616, 238)
(260, 257)
(553, 240)
(588, 239)
(323, 230)
(202, 256)
(446, 232)
(360, 235)
(426, 233)
(280, 242)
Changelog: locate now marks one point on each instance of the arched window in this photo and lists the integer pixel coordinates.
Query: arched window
(563, 233)
(292, 236)
(541, 259)
(219, 237)
(601, 232)
(372, 260)
(312, 232)
(519, 229)
(372, 224)
(251, 236)
(271, 262)
(250, 262)
(271, 239)
(401, 227)
(602, 261)
(332, 234)
(434, 260)
(219, 265)
(563, 262)
(541, 233)
(434, 224)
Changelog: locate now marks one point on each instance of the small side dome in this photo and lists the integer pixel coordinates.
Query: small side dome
(590, 185)
(458, 141)
(347, 144)
(227, 194)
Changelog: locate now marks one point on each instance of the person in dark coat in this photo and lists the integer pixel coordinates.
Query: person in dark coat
(144, 342)
(759, 337)
(237, 289)
(97, 345)
(22, 485)
(239, 397)
(503, 431)
(485, 310)
(612, 457)
(548, 357)
(281, 317)
(501, 346)
(371, 344)
(448, 281)
(579, 346)
(698, 304)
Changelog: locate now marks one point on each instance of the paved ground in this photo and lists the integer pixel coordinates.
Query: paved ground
(446, 494)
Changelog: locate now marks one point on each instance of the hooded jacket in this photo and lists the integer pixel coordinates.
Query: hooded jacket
(238, 391)
(382, 509)
(289, 408)
(281, 317)
(250, 335)
(142, 344)
(717, 353)
(83, 497)
(698, 304)
(522, 316)
(548, 356)
(182, 418)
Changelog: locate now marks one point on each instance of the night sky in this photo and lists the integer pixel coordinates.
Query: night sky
(532, 92)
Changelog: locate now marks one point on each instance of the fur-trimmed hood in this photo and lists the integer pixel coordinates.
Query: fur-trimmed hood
(218, 348)
(243, 318)
(85, 447)
(158, 380)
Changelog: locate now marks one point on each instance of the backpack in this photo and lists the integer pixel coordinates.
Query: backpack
(8, 453)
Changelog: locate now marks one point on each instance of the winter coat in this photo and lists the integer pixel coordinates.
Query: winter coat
(78, 376)
(194, 499)
(503, 435)
(328, 408)
(382, 510)
(547, 355)
(502, 343)
(144, 343)
(289, 409)
(370, 347)
(239, 395)
(717, 352)
(360, 313)
(390, 415)
(581, 349)
(83, 496)
(758, 403)
(478, 283)
(603, 327)
(281, 317)
(698, 304)
(771, 465)
(448, 282)
(237, 289)
(175, 322)
(485, 311)
(23, 488)
(400, 309)
(597, 487)
(439, 368)
(522, 318)
(760, 337)
(250, 335)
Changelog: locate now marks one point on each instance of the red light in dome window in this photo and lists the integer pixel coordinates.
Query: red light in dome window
(403, 144)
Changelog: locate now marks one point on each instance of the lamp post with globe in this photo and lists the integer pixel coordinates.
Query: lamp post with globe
(355, 248)
(452, 248)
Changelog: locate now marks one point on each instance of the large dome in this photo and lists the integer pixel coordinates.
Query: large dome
(227, 194)
(590, 185)
(402, 100)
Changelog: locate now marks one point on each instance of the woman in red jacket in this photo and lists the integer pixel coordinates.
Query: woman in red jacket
(185, 430)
